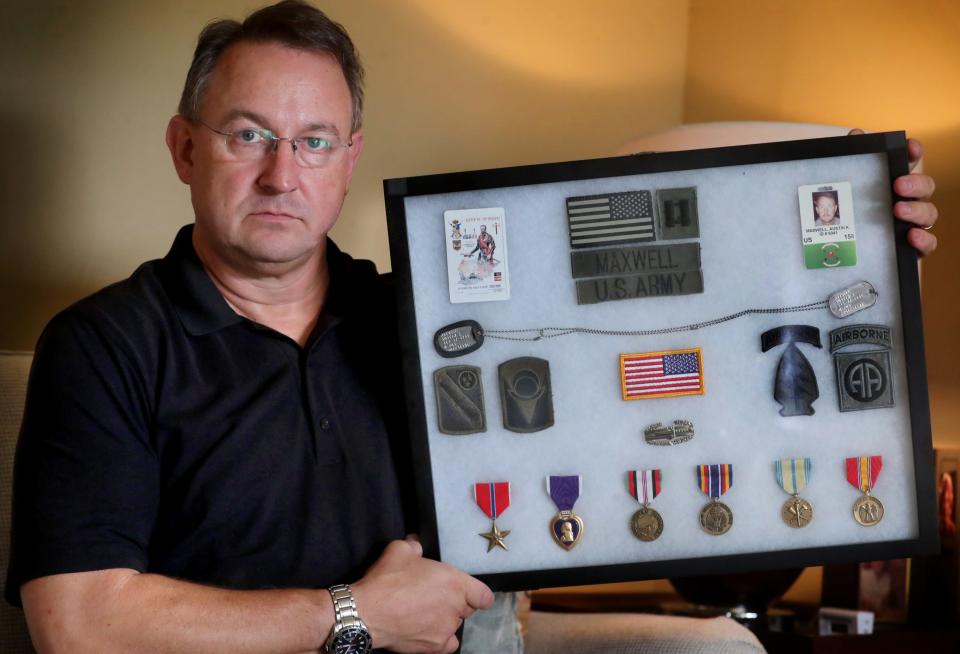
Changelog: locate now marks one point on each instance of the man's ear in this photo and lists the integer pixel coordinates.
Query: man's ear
(180, 143)
(354, 154)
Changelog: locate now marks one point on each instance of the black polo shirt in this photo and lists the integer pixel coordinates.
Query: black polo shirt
(165, 433)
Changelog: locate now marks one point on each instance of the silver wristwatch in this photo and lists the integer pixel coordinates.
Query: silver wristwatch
(349, 634)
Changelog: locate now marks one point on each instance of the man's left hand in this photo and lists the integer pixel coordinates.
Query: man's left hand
(918, 210)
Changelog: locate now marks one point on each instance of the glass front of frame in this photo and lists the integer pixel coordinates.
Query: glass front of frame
(685, 421)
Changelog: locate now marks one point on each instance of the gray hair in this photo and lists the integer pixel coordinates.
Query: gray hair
(291, 23)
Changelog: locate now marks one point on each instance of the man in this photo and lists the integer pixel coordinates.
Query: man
(223, 419)
(825, 206)
(485, 244)
(208, 443)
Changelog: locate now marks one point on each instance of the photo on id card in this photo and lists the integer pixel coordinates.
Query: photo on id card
(827, 225)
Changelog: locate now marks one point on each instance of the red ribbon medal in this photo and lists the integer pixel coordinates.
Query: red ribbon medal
(862, 473)
(493, 498)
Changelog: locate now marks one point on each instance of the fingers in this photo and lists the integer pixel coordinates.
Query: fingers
(915, 186)
(451, 645)
(856, 131)
(414, 542)
(478, 594)
(921, 214)
(924, 242)
(914, 152)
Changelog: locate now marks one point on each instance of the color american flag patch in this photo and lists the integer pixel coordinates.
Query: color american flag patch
(671, 373)
(610, 219)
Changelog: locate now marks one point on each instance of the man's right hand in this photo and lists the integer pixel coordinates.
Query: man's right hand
(413, 604)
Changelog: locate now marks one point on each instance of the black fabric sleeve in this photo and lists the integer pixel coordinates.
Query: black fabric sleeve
(86, 476)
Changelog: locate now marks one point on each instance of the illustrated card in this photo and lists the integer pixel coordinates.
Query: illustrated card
(827, 225)
(476, 243)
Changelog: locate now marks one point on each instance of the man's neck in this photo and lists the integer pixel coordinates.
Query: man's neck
(285, 298)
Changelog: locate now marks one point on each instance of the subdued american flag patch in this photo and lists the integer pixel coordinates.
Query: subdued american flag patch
(610, 219)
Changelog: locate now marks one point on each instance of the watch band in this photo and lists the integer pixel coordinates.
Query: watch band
(346, 618)
(344, 606)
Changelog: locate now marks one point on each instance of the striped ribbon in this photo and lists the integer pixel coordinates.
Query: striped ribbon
(862, 471)
(715, 479)
(644, 484)
(492, 497)
(793, 474)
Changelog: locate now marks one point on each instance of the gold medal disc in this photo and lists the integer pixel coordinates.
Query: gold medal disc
(647, 525)
(797, 512)
(716, 518)
(867, 510)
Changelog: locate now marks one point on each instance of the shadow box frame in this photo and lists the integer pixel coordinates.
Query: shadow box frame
(419, 397)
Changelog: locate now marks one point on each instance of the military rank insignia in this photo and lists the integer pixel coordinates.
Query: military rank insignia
(863, 376)
(862, 473)
(671, 373)
(526, 398)
(792, 475)
(644, 486)
(795, 386)
(493, 498)
(566, 527)
(714, 480)
(459, 394)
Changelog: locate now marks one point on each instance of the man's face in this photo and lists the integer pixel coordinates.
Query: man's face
(269, 211)
(826, 208)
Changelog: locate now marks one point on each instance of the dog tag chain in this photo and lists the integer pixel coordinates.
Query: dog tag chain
(466, 336)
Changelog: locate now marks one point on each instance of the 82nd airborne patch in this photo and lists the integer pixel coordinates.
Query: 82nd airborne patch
(863, 377)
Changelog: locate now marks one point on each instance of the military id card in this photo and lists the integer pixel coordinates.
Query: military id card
(826, 225)
(476, 243)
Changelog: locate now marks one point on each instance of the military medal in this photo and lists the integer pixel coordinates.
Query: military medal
(792, 475)
(716, 518)
(644, 485)
(862, 473)
(493, 498)
(566, 526)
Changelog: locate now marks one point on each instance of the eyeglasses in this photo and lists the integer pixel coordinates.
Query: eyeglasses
(253, 144)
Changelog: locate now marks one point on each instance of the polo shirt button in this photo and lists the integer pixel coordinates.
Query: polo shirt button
(324, 424)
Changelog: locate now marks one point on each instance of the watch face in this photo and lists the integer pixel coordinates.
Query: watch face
(351, 640)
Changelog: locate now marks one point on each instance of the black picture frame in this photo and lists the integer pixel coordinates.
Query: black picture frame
(892, 144)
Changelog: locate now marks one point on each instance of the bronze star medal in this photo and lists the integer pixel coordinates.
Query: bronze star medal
(495, 537)
(493, 498)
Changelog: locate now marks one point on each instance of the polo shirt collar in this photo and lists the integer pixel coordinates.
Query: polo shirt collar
(201, 307)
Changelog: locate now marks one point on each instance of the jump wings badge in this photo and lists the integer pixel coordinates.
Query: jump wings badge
(493, 498)
(792, 475)
(566, 527)
(862, 473)
(863, 377)
(644, 486)
(716, 518)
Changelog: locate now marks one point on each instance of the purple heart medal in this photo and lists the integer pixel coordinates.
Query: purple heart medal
(566, 526)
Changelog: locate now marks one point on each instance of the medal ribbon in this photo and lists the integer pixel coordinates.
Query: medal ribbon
(644, 485)
(862, 471)
(492, 497)
(715, 479)
(793, 474)
(564, 490)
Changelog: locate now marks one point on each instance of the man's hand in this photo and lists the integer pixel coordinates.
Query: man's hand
(918, 210)
(413, 604)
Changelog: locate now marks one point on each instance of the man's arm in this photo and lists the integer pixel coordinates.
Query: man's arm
(410, 604)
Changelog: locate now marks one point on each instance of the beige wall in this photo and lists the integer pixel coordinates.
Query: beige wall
(876, 64)
(86, 89)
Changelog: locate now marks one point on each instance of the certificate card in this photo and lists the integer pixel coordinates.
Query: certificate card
(690, 363)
